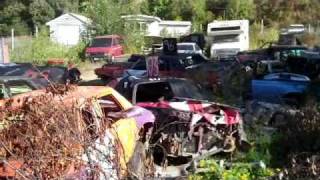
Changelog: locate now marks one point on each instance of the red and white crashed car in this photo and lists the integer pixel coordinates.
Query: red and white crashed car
(187, 127)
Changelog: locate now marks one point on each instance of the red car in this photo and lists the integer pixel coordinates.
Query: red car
(105, 47)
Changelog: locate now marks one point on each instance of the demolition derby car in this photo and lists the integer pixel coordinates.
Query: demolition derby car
(187, 128)
(67, 133)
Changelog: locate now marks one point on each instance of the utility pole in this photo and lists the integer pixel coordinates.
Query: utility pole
(12, 39)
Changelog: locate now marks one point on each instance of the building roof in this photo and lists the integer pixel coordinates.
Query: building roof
(78, 17)
(141, 17)
(176, 23)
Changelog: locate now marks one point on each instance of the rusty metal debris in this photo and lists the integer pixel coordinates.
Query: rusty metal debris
(48, 139)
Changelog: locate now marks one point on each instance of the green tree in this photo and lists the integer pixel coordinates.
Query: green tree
(41, 12)
(200, 16)
(106, 15)
(241, 9)
(12, 13)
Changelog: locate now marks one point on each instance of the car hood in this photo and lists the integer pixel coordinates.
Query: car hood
(98, 49)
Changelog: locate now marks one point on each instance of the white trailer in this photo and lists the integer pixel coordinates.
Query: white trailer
(227, 38)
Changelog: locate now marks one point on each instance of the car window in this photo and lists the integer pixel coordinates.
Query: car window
(197, 48)
(101, 42)
(115, 41)
(185, 47)
(2, 91)
(19, 89)
(141, 65)
(153, 92)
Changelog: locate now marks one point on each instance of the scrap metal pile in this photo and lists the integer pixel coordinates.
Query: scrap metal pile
(46, 138)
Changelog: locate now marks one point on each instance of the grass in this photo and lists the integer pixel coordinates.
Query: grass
(257, 163)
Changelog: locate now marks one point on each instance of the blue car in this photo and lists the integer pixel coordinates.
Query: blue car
(280, 88)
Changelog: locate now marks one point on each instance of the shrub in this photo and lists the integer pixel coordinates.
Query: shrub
(270, 34)
(39, 49)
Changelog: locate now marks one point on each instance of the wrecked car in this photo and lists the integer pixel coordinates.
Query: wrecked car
(71, 134)
(168, 66)
(282, 88)
(55, 74)
(307, 64)
(116, 69)
(188, 127)
(13, 85)
(272, 52)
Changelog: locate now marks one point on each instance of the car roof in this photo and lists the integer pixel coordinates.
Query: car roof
(186, 43)
(14, 78)
(163, 79)
(288, 47)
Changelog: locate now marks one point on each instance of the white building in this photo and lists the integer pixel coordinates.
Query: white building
(68, 28)
(154, 26)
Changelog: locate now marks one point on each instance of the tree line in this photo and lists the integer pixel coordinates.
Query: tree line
(25, 15)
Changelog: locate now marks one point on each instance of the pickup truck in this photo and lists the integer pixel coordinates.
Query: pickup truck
(168, 66)
(287, 88)
(105, 48)
(116, 69)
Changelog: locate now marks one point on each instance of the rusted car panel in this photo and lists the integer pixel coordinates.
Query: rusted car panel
(124, 130)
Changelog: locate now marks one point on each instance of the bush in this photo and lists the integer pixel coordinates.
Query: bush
(257, 39)
(134, 41)
(39, 49)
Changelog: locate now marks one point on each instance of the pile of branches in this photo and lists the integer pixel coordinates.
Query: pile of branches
(303, 165)
(47, 137)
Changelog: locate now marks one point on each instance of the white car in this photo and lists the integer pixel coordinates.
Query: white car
(188, 48)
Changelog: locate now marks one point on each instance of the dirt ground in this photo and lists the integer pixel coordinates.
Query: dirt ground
(89, 78)
(87, 70)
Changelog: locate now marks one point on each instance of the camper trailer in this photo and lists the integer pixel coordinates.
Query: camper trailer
(227, 38)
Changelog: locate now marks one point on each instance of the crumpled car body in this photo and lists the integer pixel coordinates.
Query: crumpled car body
(187, 131)
(187, 127)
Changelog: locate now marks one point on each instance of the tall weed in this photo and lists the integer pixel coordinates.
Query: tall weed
(40, 49)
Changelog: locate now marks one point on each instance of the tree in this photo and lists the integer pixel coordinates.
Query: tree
(241, 9)
(12, 17)
(201, 16)
(106, 15)
(41, 12)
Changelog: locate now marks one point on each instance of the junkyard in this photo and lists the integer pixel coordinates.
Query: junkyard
(144, 89)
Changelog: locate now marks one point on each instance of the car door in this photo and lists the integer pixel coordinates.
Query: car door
(118, 50)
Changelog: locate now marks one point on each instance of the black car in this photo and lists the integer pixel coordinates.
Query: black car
(273, 52)
(146, 90)
(13, 85)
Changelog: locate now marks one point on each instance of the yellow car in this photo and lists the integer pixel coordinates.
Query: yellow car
(122, 136)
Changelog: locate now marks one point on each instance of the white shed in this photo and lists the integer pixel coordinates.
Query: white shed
(68, 28)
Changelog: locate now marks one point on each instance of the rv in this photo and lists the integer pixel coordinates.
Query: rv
(227, 38)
